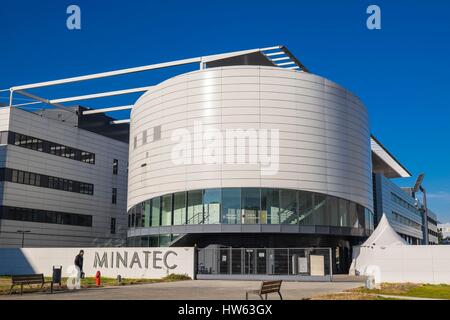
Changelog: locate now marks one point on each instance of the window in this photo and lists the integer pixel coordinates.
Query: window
(156, 211)
(320, 214)
(288, 207)
(195, 207)
(115, 166)
(135, 142)
(113, 225)
(114, 196)
(211, 200)
(44, 181)
(144, 137)
(179, 208)
(270, 206)
(306, 208)
(156, 133)
(251, 205)
(166, 212)
(45, 216)
(40, 145)
(231, 211)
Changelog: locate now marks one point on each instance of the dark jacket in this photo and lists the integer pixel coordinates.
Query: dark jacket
(79, 261)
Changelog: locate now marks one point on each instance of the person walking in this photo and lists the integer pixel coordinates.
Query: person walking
(79, 263)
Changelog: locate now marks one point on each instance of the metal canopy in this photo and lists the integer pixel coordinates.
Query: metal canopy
(278, 56)
(384, 162)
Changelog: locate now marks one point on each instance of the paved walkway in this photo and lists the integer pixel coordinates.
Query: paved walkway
(193, 290)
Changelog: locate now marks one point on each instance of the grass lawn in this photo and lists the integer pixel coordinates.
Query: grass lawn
(89, 282)
(436, 291)
(350, 296)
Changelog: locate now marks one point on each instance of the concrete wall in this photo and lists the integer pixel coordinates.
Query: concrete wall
(100, 174)
(140, 263)
(418, 264)
(324, 133)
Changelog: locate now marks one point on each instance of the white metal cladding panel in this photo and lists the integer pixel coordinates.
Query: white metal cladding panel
(324, 132)
(99, 205)
(4, 118)
(388, 206)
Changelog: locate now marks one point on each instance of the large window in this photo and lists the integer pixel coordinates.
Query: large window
(270, 206)
(166, 213)
(251, 204)
(211, 200)
(147, 209)
(156, 212)
(288, 207)
(320, 214)
(179, 208)
(231, 213)
(306, 208)
(195, 207)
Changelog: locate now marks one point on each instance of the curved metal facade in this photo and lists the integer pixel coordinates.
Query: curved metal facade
(324, 137)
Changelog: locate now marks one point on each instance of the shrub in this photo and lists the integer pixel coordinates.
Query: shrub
(176, 277)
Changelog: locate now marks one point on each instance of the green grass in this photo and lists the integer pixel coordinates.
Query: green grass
(434, 291)
(88, 282)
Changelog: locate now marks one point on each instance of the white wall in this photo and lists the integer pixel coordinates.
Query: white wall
(418, 264)
(324, 133)
(41, 260)
(98, 205)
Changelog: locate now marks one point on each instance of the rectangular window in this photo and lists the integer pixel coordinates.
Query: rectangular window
(45, 216)
(114, 195)
(113, 225)
(195, 207)
(320, 215)
(288, 207)
(179, 208)
(212, 200)
(251, 205)
(305, 208)
(231, 211)
(156, 133)
(135, 142)
(166, 213)
(144, 137)
(115, 166)
(270, 206)
(156, 212)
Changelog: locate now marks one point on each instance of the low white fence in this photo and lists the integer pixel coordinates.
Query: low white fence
(150, 263)
(405, 263)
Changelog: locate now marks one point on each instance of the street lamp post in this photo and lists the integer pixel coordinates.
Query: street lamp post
(23, 235)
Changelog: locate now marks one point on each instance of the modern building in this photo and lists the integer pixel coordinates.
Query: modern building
(63, 179)
(444, 229)
(251, 156)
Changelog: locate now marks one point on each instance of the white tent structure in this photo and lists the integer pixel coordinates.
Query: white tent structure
(388, 258)
(384, 235)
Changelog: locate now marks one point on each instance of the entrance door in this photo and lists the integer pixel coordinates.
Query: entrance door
(249, 261)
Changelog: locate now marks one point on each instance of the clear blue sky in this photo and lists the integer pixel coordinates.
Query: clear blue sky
(402, 72)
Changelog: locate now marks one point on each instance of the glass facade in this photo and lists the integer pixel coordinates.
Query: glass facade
(250, 206)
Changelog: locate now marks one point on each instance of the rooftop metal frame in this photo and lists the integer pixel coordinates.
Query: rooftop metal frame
(279, 56)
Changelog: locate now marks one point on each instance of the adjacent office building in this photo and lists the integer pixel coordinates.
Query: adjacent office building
(63, 179)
